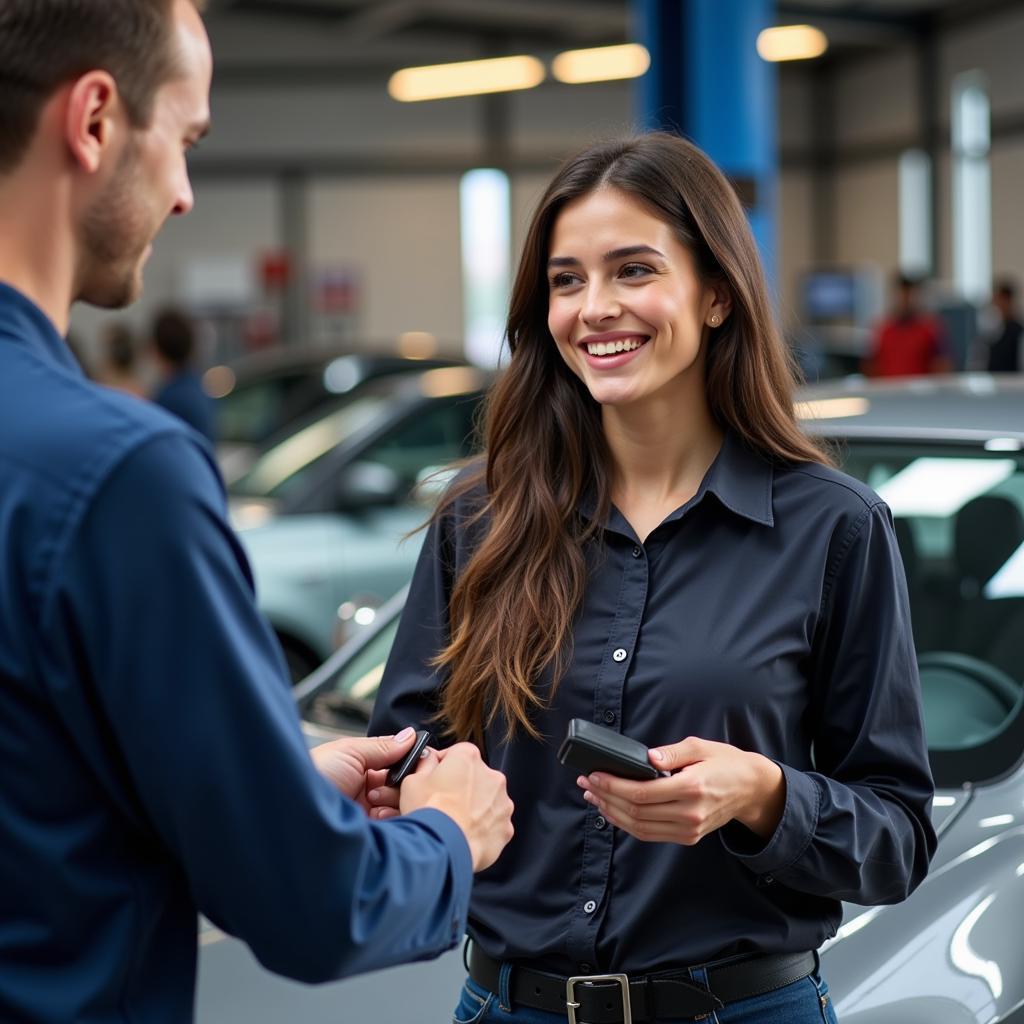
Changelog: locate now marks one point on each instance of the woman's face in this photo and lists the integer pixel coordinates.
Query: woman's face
(625, 305)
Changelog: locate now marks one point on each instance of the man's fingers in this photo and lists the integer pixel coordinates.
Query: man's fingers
(380, 751)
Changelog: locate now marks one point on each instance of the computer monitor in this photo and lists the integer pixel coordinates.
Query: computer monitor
(829, 296)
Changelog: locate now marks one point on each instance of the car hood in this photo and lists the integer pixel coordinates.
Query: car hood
(950, 952)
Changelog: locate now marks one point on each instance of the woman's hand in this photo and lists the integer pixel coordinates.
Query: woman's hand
(712, 783)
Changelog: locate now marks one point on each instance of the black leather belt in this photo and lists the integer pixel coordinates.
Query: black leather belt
(666, 995)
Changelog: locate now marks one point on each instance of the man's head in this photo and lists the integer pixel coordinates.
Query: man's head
(174, 339)
(908, 294)
(1003, 297)
(103, 98)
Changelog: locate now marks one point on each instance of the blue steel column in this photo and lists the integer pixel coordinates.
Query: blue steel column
(707, 82)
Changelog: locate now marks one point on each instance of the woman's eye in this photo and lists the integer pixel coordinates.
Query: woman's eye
(563, 280)
(636, 270)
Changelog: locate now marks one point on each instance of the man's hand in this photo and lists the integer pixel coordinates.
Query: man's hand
(714, 783)
(457, 782)
(358, 766)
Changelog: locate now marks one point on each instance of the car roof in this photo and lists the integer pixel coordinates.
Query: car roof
(965, 407)
(313, 358)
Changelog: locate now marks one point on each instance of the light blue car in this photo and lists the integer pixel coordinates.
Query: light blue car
(324, 514)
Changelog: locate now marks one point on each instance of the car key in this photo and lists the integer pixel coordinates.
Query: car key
(408, 763)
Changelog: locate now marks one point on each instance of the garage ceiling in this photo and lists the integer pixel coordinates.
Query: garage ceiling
(284, 40)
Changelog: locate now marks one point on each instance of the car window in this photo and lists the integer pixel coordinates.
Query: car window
(439, 435)
(285, 466)
(959, 519)
(348, 701)
(255, 409)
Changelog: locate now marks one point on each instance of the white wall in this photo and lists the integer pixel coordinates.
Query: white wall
(402, 241)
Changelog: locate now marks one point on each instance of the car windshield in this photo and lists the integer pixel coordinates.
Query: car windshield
(958, 512)
(283, 468)
(253, 410)
(959, 521)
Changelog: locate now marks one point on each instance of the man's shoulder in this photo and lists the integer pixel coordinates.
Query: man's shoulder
(68, 432)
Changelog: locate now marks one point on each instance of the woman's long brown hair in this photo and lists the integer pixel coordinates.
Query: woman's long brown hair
(513, 606)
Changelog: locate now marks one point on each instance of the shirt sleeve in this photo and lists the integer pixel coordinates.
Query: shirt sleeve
(153, 616)
(410, 685)
(857, 827)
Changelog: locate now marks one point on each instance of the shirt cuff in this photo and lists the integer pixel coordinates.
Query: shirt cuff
(791, 837)
(454, 840)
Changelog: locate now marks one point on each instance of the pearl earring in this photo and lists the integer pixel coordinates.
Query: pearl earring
(715, 319)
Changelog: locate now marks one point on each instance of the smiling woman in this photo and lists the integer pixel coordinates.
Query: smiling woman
(651, 543)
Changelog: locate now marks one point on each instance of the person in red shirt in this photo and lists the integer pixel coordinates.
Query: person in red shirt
(910, 341)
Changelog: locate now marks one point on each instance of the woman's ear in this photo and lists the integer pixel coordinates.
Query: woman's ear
(93, 106)
(721, 306)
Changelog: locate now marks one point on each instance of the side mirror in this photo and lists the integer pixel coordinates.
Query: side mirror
(364, 485)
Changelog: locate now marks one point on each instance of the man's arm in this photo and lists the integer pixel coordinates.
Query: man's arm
(153, 623)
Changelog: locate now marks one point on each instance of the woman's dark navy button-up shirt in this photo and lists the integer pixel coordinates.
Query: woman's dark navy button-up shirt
(769, 612)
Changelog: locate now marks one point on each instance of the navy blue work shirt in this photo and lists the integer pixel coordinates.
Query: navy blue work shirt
(183, 395)
(151, 759)
(770, 612)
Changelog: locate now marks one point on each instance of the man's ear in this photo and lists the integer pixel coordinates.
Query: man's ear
(91, 118)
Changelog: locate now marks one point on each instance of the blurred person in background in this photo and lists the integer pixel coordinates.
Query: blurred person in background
(180, 389)
(118, 365)
(910, 341)
(151, 757)
(1003, 347)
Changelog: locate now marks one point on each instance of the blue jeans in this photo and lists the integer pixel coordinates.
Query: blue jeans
(803, 1002)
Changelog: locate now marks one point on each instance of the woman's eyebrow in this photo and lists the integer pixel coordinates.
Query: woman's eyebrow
(612, 254)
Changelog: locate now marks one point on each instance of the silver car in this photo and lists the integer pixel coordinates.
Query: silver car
(948, 457)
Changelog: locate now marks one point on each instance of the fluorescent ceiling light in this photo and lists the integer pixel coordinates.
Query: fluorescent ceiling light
(791, 42)
(467, 78)
(601, 64)
(941, 487)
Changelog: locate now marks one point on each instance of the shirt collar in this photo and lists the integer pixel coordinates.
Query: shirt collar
(742, 481)
(739, 478)
(22, 321)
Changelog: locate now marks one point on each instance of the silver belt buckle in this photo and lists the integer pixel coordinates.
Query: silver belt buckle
(573, 1006)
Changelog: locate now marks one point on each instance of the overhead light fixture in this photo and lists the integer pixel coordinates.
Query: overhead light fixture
(466, 78)
(791, 42)
(601, 63)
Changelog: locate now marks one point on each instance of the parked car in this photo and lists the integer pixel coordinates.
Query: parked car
(324, 513)
(948, 457)
(263, 394)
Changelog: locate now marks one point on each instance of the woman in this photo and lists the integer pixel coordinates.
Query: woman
(651, 543)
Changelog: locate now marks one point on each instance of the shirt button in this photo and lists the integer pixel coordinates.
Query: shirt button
(589, 907)
(619, 654)
(586, 968)
(600, 822)
(637, 551)
(609, 717)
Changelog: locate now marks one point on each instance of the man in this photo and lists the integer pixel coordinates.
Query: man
(150, 753)
(181, 390)
(1004, 348)
(910, 341)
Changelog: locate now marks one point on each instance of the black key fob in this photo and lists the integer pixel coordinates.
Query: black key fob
(408, 763)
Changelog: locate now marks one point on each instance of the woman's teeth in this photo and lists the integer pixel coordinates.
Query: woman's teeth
(609, 348)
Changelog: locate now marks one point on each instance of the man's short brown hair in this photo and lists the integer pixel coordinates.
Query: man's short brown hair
(46, 43)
